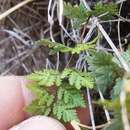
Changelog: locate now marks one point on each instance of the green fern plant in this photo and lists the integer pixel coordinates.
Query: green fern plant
(67, 97)
(80, 15)
(77, 13)
(104, 71)
(109, 10)
(58, 47)
(77, 78)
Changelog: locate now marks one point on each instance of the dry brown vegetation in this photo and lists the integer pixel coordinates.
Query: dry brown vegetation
(18, 31)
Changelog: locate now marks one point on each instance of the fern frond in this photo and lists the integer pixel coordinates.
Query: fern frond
(70, 115)
(60, 93)
(46, 77)
(104, 69)
(35, 109)
(78, 79)
(79, 14)
(74, 97)
(66, 72)
(76, 13)
(100, 8)
(35, 89)
(117, 88)
(68, 95)
(47, 111)
(63, 112)
(58, 47)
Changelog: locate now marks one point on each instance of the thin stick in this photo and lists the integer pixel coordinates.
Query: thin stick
(120, 1)
(91, 110)
(105, 110)
(112, 46)
(124, 110)
(8, 12)
(90, 127)
(119, 35)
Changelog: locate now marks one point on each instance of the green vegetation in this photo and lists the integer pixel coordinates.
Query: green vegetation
(104, 72)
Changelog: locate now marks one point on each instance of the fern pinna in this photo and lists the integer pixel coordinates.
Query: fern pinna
(67, 96)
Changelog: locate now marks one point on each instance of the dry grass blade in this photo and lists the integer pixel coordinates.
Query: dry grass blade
(5, 14)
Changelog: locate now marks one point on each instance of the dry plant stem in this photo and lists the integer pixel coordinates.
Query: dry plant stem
(75, 125)
(105, 110)
(90, 127)
(119, 35)
(86, 5)
(50, 18)
(124, 110)
(124, 19)
(16, 35)
(120, 1)
(89, 34)
(60, 10)
(17, 63)
(91, 110)
(8, 12)
(74, 32)
(113, 46)
(51, 22)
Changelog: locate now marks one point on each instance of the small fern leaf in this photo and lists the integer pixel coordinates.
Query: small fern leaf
(75, 12)
(104, 71)
(34, 108)
(66, 97)
(72, 78)
(58, 111)
(117, 88)
(47, 111)
(66, 72)
(46, 77)
(80, 79)
(69, 115)
(100, 8)
(50, 100)
(60, 93)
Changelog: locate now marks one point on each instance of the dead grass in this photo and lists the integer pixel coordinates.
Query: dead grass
(19, 54)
